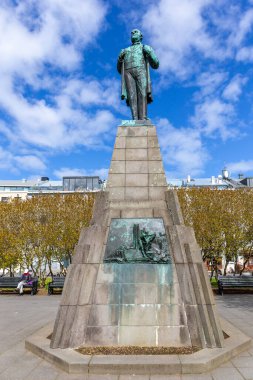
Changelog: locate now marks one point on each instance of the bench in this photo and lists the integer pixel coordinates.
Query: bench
(12, 283)
(57, 283)
(227, 282)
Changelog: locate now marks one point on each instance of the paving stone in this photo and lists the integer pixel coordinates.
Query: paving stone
(10, 357)
(243, 362)
(44, 371)
(102, 377)
(203, 376)
(134, 377)
(226, 373)
(21, 367)
(230, 306)
(165, 377)
(247, 373)
(67, 376)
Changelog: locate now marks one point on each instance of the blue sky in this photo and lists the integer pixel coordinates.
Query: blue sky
(60, 91)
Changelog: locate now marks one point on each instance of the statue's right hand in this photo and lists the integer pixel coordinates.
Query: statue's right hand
(122, 54)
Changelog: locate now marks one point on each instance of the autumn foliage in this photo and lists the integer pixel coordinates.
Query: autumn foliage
(43, 229)
(40, 230)
(222, 221)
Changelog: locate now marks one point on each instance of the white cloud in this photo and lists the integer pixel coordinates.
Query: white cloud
(30, 163)
(16, 163)
(90, 92)
(36, 36)
(209, 82)
(214, 118)
(238, 37)
(64, 172)
(241, 166)
(176, 29)
(33, 33)
(245, 54)
(243, 27)
(234, 89)
(215, 110)
(182, 149)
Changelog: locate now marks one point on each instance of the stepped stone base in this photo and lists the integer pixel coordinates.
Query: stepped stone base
(202, 361)
(123, 302)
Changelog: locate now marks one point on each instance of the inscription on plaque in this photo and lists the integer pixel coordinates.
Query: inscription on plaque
(137, 240)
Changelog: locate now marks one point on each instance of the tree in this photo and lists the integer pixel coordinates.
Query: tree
(222, 221)
(39, 230)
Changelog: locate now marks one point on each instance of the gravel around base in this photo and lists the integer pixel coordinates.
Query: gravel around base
(134, 350)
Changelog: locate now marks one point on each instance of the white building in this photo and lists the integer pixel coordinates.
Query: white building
(24, 189)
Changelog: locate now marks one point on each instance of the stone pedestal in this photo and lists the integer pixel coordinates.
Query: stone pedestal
(117, 294)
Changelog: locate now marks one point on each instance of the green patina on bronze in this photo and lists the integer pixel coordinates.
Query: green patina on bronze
(133, 65)
(137, 240)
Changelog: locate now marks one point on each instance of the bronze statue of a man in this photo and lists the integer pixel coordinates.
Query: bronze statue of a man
(133, 65)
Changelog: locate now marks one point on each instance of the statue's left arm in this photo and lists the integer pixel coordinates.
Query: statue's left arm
(151, 57)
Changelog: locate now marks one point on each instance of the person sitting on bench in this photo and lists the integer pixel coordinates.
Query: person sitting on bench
(26, 277)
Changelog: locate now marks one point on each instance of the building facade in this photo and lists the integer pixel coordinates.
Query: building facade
(24, 189)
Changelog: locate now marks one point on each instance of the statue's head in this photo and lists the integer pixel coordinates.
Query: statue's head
(136, 35)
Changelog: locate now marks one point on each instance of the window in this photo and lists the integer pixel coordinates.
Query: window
(65, 184)
(72, 184)
(89, 183)
(95, 183)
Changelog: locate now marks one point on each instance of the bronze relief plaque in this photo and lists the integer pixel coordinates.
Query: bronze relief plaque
(137, 240)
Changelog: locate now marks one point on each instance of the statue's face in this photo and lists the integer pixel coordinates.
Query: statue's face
(136, 35)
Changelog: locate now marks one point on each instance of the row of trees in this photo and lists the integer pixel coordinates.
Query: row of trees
(36, 232)
(43, 229)
(223, 223)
